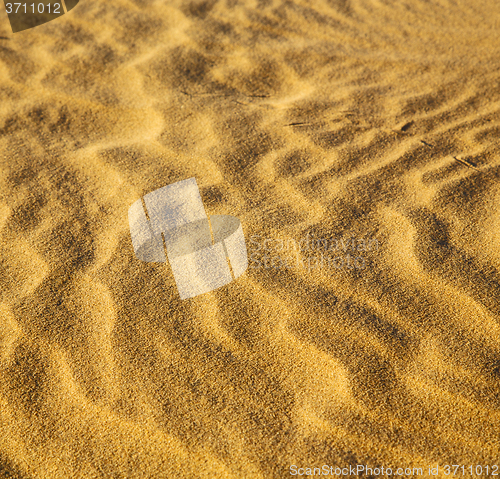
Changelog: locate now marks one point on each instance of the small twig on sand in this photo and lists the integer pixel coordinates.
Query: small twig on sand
(466, 163)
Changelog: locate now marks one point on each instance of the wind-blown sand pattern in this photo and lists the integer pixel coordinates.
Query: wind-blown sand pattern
(324, 119)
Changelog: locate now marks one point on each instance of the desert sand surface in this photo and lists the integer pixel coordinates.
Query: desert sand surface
(372, 123)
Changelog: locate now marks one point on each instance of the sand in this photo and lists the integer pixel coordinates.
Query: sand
(342, 121)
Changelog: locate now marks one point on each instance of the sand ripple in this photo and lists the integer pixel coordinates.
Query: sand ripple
(325, 119)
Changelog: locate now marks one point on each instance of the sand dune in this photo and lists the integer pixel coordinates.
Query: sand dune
(332, 119)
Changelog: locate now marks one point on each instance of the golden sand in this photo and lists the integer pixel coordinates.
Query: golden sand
(305, 119)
